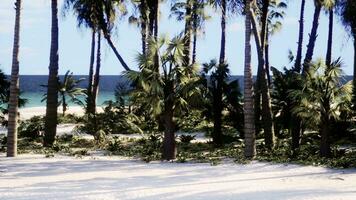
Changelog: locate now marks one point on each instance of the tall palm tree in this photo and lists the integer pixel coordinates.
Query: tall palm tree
(97, 70)
(262, 82)
(249, 121)
(52, 95)
(329, 7)
(193, 13)
(274, 25)
(109, 10)
(313, 35)
(298, 60)
(87, 13)
(140, 18)
(226, 7)
(14, 87)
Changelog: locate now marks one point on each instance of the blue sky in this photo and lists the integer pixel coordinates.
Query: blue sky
(75, 42)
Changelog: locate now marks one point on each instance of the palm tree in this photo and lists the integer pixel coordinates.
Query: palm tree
(87, 15)
(313, 35)
(220, 95)
(108, 10)
(170, 92)
(329, 7)
(14, 87)
(346, 9)
(140, 18)
(262, 81)
(69, 87)
(249, 121)
(274, 25)
(298, 60)
(320, 100)
(97, 71)
(226, 7)
(193, 12)
(52, 95)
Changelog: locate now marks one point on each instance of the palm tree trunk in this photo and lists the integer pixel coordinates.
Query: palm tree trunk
(330, 38)
(223, 32)
(249, 121)
(52, 89)
(156, 14)
(217, 110)
(169, 144)
(64, 102)
(267, 117)
(354, 75)
(188, 33)
(90, 107)
(298, 60)
(267, 58)
(14, 87)
(143, 10)
(112, 46)
(97, 72)
(194, 54)
(312, 38)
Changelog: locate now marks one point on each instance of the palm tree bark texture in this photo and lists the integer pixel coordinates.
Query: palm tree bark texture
(14, 87)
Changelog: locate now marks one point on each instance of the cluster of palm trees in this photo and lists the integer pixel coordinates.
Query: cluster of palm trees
(175, 75)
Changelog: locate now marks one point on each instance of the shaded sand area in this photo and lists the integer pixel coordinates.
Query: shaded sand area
(35, 177)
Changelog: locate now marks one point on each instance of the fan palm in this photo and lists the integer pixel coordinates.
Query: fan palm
(321, 98)
(220, 95)
(168, 88)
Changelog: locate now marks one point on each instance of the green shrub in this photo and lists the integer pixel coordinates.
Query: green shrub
(32, 128)
(186, 139)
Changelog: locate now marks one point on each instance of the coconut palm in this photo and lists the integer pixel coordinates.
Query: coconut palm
(167, 93)
(226, 7)
(14, 87)
(68, 87)
(329, 8)
(87, 13)
(193, 13)
(52, 95)
(320, 100)
(274, 25)
(140, 18)
(249, 122)
(346, 10)
(262, 80)
(313, 35)
(298, 60)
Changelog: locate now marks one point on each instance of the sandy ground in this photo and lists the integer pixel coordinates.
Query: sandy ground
(27, 113)
(30, 177)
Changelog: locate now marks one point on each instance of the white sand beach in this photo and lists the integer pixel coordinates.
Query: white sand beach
(111, 178)
(27, 113)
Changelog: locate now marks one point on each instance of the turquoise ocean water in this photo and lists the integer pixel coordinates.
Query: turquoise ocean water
(34, 98)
